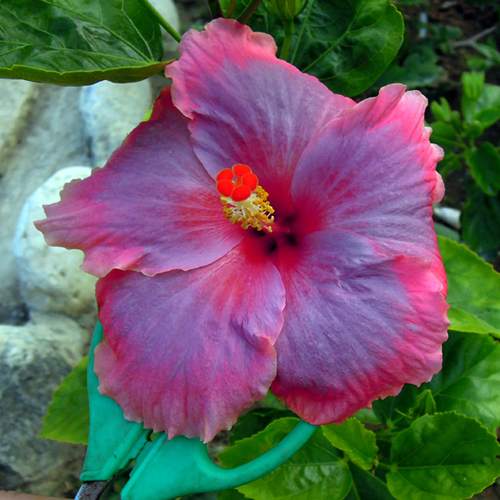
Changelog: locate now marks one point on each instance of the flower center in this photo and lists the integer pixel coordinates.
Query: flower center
(244, 200)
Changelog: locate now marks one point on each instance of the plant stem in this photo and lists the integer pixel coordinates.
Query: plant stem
(232, 5)
(287, 42)
(250, 9)
(161, 20)
(215, 9)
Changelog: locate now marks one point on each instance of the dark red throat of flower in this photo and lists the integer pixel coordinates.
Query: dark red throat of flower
(245, 202)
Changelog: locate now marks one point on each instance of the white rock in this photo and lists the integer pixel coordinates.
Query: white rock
(449, 215)
(34, 358)
(50, 277)
(52, 137)
(110, 111)
(168, 10)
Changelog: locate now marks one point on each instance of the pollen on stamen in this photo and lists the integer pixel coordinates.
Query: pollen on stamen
(245, 202)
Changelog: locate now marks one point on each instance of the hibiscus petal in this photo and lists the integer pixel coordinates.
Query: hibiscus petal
(357, 326)
(152, 208)
(186, 352)
(373, 172)
(248, 106)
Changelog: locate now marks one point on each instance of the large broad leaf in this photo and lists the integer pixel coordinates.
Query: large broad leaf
(367, 486)
(443, 457)
(68, 416)
(70, 42)
(473, 290)
(347, 44)
(353, 438)
(315, 472)
(469, 383)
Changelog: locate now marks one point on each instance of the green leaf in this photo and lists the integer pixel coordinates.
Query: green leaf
(481, 220)
(316, 471)
(488, 116)
(255, 421)
(418, 68)
(366, 486)
(442, 230)
(353, 438)
(473, 86)
(445, 135)
(473, 290)
(347, 44)
(443, 457)
(489, 98)
(69, 42)
(469, 382)
(68, 416)
(442, 112)
(484, 164)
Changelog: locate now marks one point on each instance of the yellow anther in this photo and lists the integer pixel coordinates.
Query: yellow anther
(254, 212)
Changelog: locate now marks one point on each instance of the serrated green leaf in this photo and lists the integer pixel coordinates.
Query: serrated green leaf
(443, 457)
(68, 42)
(315, 472)
(484, 164)
(367, 486)
(473, 290)
(481, 220)
(469, 382)
(68, 416)
(353, 438)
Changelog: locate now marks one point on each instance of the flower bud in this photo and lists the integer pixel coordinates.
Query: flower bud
(286, 10)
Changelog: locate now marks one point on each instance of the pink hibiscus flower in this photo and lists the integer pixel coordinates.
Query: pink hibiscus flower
(333, 295)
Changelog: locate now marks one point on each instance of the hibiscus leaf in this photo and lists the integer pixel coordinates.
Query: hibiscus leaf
(347, 44)
(443, 457)
(469, 382)
(481, 220)
(355, 440)
(68, 416)
(255, 421)
(484, 164)
(367, 486)
(68, 42)
(315, 471)
(473, 290)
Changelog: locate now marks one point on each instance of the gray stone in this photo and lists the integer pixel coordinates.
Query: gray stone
(34, 359)
(110, 111)
(16, 97)
(50, 278)
(52, 138)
